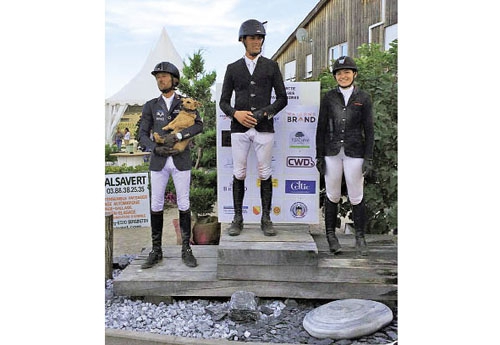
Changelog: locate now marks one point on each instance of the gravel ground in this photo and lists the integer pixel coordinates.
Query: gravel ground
(280, 321)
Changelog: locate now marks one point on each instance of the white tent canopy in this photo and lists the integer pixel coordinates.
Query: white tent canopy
(142, 87)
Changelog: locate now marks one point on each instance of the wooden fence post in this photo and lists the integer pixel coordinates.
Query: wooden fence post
(109, 245)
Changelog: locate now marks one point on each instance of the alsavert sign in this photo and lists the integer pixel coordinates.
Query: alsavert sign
(127, 197)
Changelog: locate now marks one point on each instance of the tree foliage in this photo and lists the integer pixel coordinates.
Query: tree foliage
(377, 75)
(197, 83)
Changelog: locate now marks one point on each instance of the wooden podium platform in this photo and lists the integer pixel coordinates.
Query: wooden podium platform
(294, 264)
(251, 255)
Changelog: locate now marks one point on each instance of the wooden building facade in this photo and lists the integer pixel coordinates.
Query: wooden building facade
(334, 28)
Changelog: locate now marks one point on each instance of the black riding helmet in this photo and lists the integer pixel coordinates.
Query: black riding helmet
(166, 67)
(251, 27)
(344, 62)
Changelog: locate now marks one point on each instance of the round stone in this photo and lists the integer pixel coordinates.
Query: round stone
(347, 319)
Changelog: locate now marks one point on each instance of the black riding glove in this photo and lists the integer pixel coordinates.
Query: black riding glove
(367, 169)
(170, 140)
(173, 152)
(259, 115)
(321, 165)
(163, 151)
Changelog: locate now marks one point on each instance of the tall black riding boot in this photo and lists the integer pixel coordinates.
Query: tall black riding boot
(360, 219)
(266, 196)
(238, 195)
(331, 211)
(156, 253)
(185, 225)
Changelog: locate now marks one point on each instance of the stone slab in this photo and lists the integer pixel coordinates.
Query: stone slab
(347, 319)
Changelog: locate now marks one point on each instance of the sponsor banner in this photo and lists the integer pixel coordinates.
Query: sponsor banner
(295, 178)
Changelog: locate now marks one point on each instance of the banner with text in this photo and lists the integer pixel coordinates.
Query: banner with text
(127, 197)
(295, 178)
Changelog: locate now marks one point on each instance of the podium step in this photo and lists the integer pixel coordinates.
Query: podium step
(253, 254)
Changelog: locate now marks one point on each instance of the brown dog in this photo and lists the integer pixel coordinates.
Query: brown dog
(184, 119)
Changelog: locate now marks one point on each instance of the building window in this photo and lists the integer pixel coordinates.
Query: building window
(335, 52)
(309, 66)
(390, 34)
(290, 71)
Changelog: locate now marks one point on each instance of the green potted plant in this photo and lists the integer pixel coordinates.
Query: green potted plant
(203, 196)
(203, 193)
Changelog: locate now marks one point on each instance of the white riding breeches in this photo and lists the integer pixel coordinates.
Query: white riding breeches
(159, 181)
(262, 143)
(352, 169)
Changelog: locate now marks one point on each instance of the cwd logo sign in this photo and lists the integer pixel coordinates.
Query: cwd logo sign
(300, 187)
(300, 162)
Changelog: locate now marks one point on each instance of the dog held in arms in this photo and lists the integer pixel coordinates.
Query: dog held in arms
(184, 119)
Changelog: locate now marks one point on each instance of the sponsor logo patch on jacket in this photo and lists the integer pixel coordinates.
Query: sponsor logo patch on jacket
(160, 115)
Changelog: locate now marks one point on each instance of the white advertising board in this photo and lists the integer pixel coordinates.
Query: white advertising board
(295, 178)
(127, 197)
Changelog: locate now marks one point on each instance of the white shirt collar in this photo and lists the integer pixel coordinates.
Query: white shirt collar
(168, 101)
(248, 60)
(347, 93)
(251, 63)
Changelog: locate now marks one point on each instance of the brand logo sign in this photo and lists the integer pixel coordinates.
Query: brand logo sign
(299, 162)
(298, 140)
(230, 209)
(301, 117)
(257, 209)
(229, 187)
(298, 210)
(276, 210)
(300, 187)
(274, 182)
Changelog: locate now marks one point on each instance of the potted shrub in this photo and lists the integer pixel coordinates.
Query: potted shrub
(203, 196)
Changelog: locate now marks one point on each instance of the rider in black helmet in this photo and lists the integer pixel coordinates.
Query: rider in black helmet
(252, 79)
(166, 161)
(344, 146)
